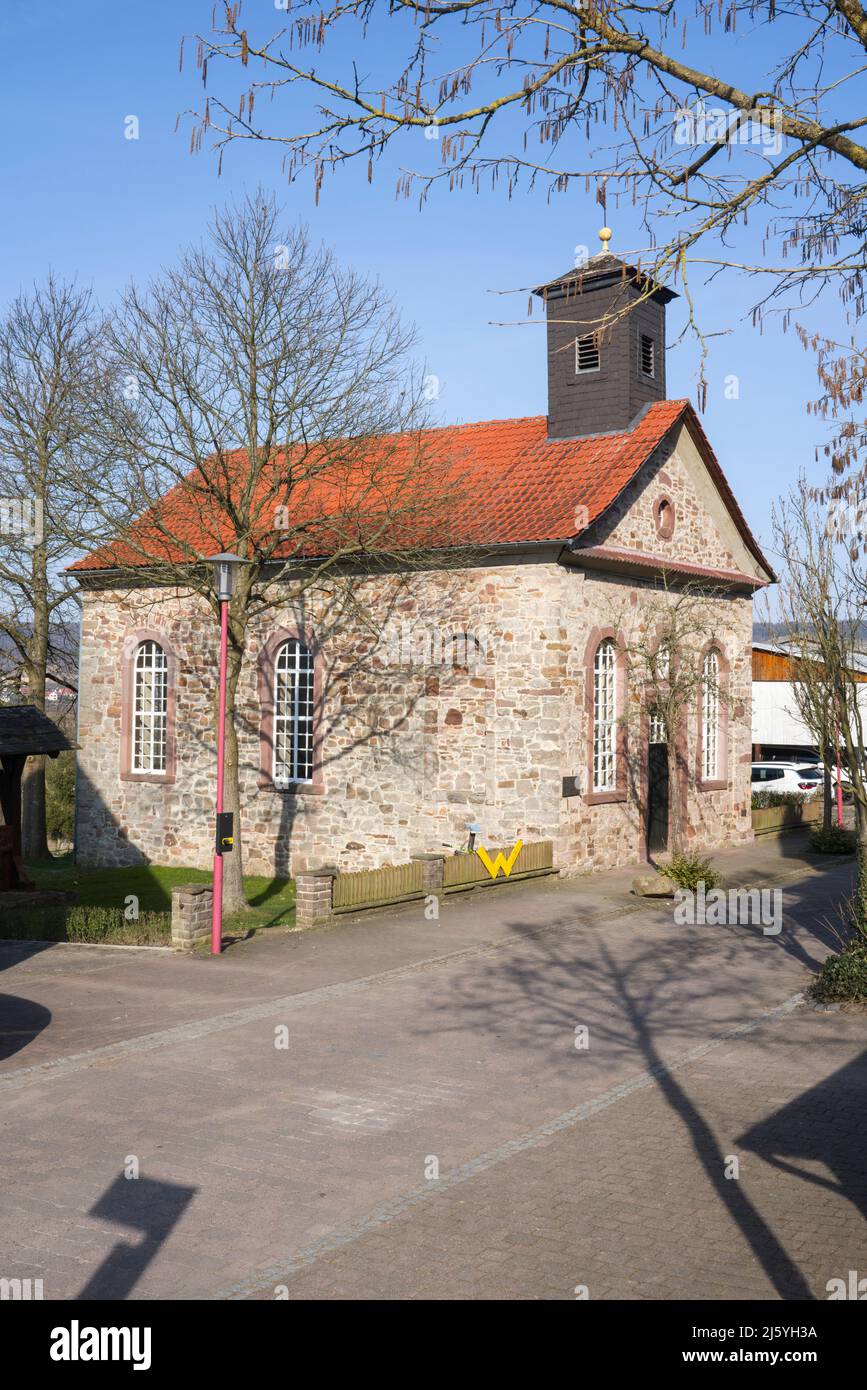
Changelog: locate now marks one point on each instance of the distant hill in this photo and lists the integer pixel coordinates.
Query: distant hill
(62, 661)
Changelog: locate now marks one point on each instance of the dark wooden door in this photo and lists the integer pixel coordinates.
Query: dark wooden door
(657, 798)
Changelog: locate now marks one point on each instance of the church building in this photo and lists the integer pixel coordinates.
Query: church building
(503, 693)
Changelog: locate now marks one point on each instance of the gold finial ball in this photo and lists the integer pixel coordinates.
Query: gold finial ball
(605, 235)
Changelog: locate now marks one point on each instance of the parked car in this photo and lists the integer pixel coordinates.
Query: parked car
(812, 760)
(845, 779)
(803, 778)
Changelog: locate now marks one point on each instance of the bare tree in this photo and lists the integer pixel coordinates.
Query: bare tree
(842, 371)
(665, 650)
(813, 685)
(822, 601)
(51, 373)
(491, 78)
(617, 96)
(267, 406)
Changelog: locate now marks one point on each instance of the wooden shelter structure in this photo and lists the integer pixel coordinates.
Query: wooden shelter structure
(24, 732)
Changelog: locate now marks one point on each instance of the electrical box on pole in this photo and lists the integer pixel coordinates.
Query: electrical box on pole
(225, 832)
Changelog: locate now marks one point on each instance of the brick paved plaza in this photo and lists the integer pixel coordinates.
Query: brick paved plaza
(415, 1048)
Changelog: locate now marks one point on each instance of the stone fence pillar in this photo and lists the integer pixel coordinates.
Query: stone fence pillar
(192, 910)
(432, 871)
(313, 890)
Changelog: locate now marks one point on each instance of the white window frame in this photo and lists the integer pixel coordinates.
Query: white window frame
(605, 716)
(150, 708)
(292, 735)
(710, 720)
(592, 338)
(656, 727)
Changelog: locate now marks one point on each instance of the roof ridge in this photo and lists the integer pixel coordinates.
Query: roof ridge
(469, 425)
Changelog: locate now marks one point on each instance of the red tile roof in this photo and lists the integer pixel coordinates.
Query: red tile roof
(517, 486)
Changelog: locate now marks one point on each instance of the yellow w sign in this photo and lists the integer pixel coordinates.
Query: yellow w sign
(501, 862)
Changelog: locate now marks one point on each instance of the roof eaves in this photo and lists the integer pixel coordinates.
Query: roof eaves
(547, 543)
(637, 560)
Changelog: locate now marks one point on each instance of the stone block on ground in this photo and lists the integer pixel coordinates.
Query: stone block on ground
(653, 886)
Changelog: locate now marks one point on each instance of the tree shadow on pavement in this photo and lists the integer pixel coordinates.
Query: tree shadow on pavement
(824, 1125)
(648, 995)
(21, 1020)
(782, 1272)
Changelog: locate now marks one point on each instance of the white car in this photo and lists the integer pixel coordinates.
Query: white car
(845, 779)
(802, 778)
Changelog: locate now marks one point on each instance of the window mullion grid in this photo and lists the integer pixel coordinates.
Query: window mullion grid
(710, 719)
(293, 689)
(296, 707)
(604, 749)
(150, 709)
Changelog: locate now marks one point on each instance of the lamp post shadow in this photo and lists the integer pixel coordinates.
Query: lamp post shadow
(146, 1205)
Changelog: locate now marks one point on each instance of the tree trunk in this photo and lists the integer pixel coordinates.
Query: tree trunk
(34, 841)
(826, 791)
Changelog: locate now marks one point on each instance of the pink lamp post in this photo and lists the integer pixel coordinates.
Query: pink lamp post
(225, 569)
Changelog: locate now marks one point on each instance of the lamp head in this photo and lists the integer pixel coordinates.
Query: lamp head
(226, 568)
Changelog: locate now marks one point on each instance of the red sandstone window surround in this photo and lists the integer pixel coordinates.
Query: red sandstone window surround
(148, 694)
(664, 518)
(290, 702)
(712, 746)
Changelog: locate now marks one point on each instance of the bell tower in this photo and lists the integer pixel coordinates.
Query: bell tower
(606, 345)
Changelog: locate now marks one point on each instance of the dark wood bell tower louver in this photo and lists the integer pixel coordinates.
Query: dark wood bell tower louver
(606, 345)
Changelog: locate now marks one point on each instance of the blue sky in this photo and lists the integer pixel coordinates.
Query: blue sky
(85, 201)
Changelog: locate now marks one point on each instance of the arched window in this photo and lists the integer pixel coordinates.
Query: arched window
(150, 708)
(710, 718)
(605, 717)
(293, 714)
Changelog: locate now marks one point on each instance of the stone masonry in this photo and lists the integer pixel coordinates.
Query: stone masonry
(415, 742)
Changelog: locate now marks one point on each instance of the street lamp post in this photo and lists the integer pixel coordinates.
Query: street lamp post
(225, 570)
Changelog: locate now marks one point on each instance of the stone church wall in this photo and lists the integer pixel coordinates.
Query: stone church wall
(414, 747)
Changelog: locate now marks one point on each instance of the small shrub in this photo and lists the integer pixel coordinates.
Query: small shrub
(689, 870)
(835, 840)
(843, 976)
(764, 799)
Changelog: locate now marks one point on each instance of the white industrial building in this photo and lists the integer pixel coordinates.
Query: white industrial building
(778, 729)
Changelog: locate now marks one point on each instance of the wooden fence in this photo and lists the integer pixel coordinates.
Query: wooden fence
(772, 820)
(403, 882)
(376, 887)
(463, 871)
